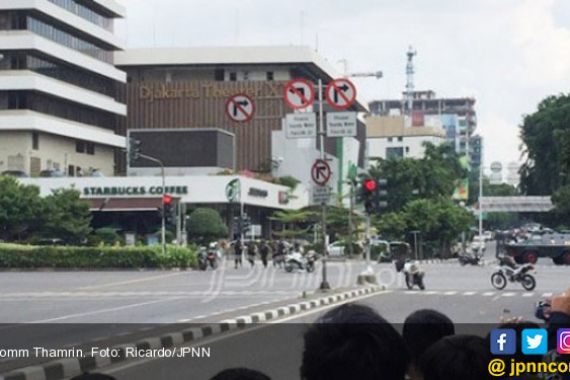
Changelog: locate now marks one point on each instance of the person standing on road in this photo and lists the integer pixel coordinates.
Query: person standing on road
(264, 252)
(238, 249)
(251, 253)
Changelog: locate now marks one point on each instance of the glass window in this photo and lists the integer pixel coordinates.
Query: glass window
(400, 139)
(90, 148)
(35, 140)
(270, 75)
(394, 152)
(233, 77)
(219, 75)
(80, 147)
(85, 13)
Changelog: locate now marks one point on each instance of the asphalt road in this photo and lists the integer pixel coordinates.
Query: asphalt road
(82, 307)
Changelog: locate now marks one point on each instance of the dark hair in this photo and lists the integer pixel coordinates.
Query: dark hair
(93, 376)
(423, 328)
(464, 357)
(240, 374)
(353, 342)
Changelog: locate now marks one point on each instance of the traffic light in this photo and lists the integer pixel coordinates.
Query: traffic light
(169, 209)
(372, 193)
(134, 150)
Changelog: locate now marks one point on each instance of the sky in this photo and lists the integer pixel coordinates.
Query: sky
(507, 54)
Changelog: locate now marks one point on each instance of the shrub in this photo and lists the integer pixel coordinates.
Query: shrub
(21, 256)
(107, 235)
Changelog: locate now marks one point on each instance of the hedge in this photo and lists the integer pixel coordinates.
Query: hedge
(24, 256)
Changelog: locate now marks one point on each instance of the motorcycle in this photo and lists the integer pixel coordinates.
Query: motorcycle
(465, 259)
(207, 257)
(508, 270)
(296, 260)
(413, 273)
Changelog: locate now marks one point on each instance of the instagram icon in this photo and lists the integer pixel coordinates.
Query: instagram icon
(563, 341)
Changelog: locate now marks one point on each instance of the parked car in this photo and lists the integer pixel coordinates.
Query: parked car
(488, 235)
(337, 248)
(51, 174)
(15, 173)
(477, 243)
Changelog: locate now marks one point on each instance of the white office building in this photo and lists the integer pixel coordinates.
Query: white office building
(58, 107)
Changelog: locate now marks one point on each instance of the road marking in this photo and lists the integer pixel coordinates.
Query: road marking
(69, 316)
(528, 294)
(469, 293)
(547, 295)
(450, 293)
(509, 294)
(132, 281)
(488, 294)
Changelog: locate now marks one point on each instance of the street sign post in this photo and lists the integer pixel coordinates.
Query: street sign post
(341, 124)
(240, 108)
(299, 93)
(300, 125)
(340, 94)
(321, 172)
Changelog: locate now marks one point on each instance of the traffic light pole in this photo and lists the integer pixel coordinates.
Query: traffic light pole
(163, 214)
(324, 284)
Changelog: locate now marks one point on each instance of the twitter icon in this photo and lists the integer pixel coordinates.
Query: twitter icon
(534, 341)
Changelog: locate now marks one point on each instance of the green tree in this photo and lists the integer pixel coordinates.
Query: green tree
(295, 222)
(392, 225)
(546, 143)
(205, 225)
(21, 210)
(68, 216)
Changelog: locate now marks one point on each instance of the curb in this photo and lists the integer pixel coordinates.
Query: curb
(65, 368)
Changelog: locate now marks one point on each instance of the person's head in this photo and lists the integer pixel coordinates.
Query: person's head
(93, 376)
(240, 374)
(423, 328)
(464, 357)
(353, 342)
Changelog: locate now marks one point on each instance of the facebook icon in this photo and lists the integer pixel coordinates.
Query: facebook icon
(503, 342)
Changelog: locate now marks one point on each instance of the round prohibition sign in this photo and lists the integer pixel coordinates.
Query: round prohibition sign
(321, 172)
(299, 93)
(240, 108)
(340, 94)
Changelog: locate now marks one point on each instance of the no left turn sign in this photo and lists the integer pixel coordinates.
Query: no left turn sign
(299, 93)
(321, 172)
(240, 108)
(340, 94)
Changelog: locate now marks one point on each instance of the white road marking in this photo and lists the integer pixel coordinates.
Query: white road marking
(450, 293)
(146, 279)
(488, 294)
(528, 294)
(469, 293)
(509, 294)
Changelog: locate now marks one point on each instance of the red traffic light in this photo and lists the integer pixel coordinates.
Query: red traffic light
(167, 199)
(369, 184)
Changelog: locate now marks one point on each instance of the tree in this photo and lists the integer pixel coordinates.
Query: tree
(392, 225)
(21, 210)
(546, 144)
(205, 225)
(68, 216)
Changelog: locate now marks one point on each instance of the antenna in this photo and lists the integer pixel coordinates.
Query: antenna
(410, 70)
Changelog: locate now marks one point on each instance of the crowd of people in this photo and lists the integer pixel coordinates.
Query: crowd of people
(354, 341)
(263, 249)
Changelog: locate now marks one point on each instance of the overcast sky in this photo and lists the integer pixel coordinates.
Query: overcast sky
(508, 54)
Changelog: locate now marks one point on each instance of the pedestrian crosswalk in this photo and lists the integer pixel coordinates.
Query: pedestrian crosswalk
(503, 294)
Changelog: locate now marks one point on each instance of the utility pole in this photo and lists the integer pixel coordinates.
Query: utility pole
(350, 222)
(324, 284)
(163, 228)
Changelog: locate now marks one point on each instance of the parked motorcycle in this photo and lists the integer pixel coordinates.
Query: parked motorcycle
(208, 257)
(413, 273)
(509, 271)
(469, 259)
(202, 258)
(296, 260)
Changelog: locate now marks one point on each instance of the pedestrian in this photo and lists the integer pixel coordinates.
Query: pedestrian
(264, 252)
(238, 249)
(251, 248)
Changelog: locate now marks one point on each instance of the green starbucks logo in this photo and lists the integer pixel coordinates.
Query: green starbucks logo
(233, 190)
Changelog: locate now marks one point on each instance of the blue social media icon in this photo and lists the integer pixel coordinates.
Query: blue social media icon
(503, 342)
(534, 341)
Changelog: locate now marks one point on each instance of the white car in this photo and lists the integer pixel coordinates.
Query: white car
(477, 243)
(488, 235)
(337, 248)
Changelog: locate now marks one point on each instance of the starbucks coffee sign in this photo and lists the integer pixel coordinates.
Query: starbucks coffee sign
(133, 191)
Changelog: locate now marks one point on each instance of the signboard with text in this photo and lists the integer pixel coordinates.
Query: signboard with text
(341, 124)
(300, 125)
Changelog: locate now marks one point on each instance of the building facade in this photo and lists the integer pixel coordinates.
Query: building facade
(58, 87)
(185, 88)
(457, 117)
(389, 137)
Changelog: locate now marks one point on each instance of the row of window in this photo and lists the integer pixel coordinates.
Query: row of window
(399, 138)
(56, 107)
(80, 146)
(19, 20)
(49, 31)
(220, 75)
(67, 74)
(85, 13)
